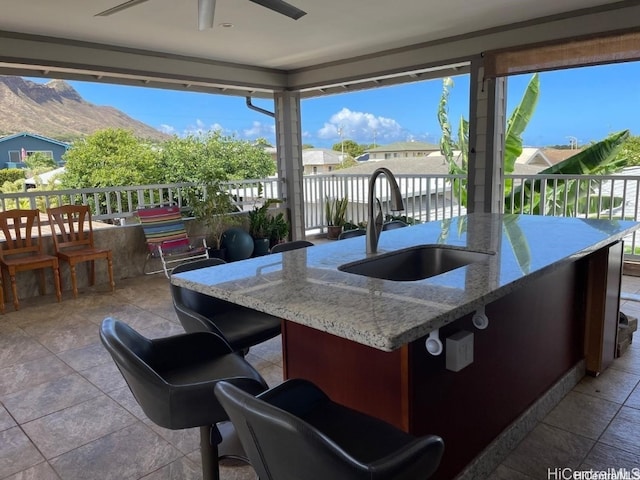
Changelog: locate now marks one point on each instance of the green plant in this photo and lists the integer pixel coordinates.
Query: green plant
(572, 195)
(259, 219)
(336, 211)
(213, 206)
(404, 218)
(516, 124)
(11, 175)
(278, 228)
(599, 158)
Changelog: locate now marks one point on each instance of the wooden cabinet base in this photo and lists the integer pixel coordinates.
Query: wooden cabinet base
(535, 335)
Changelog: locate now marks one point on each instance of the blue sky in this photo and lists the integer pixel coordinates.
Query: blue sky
(587, 103)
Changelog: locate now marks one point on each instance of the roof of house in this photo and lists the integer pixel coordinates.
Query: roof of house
(432, 164)
(533, 156)
(34, 135)
(557, 155)
(320, 156)
(405, 146)
(46, 178)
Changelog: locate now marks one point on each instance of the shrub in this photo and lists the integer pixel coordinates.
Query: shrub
(11, 175)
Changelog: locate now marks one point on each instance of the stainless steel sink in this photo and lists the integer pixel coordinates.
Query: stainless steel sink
(414, 263)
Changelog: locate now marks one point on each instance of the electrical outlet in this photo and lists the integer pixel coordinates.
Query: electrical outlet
(459, 350)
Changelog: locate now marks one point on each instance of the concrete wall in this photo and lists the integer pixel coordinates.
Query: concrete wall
(129, 253)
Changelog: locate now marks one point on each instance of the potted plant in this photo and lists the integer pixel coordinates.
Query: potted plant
(335, 212)
(214, 208)
(278, 229)
(259, 222)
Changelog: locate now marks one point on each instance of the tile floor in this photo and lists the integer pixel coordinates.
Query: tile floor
(66, 413)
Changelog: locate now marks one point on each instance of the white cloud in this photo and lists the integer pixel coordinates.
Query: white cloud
(201, 128)
(164, 128)
(258, 130)
(362, 127)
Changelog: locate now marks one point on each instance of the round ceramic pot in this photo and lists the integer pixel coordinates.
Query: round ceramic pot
(237, 243)
(260, 246)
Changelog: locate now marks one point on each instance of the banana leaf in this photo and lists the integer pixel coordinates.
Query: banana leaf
(463, 143)
(599, 158)
(518, 122)
(592, 159)
(518, 242)
(446, 141)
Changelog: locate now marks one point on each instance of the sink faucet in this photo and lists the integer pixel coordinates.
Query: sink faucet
(374, 222)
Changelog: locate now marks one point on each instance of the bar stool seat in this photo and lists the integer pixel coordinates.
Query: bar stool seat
(295, 431)
(241, 327)
(173, 381)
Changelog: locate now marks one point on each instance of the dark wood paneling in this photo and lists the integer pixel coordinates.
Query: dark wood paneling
(355, 375)
(534, 336)
(602, 307)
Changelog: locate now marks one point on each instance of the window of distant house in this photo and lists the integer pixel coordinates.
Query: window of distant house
(387, 156)
(315, 170)
(330, 168)
(395, 155)
(16, 155)
(406, 154)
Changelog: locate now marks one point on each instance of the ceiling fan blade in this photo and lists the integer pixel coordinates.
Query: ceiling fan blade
(206, 11)
(118, 8)
(282, 7)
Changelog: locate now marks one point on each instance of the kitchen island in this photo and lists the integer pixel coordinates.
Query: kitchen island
(549, 287)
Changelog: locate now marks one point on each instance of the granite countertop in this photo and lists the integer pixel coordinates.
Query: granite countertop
(306, 287)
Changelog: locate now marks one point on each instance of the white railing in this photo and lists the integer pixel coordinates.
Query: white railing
(117, 204)
(427, 197)
(611, 197)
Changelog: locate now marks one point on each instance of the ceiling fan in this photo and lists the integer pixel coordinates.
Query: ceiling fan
(206, 9)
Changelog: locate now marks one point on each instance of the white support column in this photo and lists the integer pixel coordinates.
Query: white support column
(486, 141)
(290, 169)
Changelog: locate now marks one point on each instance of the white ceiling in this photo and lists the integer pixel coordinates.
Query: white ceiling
(333, 31)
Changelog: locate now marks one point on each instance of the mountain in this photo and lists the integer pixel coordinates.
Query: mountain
(56, 110)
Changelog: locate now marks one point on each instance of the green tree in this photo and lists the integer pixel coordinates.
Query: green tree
(347, 162)
(575, 196)
(351, 148)
(39, 161)
(110, 157)
(599, 158)
(213, 156)
(630, 150)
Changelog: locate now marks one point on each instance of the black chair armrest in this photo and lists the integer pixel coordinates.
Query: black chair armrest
(193, 321)
(188, 348)
(296, 396)
(424, 453)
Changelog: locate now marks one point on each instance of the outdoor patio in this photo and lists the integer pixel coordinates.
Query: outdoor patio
(66, 413)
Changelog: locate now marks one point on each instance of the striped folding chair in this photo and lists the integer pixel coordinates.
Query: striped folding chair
(167, 239)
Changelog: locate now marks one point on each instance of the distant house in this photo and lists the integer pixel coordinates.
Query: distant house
(14, 149)
(557, 155)
(421, 181)
(408, 150)
(320, 160)
(534, 156)
(47, 178)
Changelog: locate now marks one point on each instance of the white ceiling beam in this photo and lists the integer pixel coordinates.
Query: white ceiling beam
(608, 18)
(63, 56)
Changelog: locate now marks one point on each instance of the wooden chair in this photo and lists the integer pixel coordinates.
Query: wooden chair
(72, 233)
(22, 250)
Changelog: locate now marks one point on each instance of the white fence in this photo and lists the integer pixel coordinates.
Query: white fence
(427, 197)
